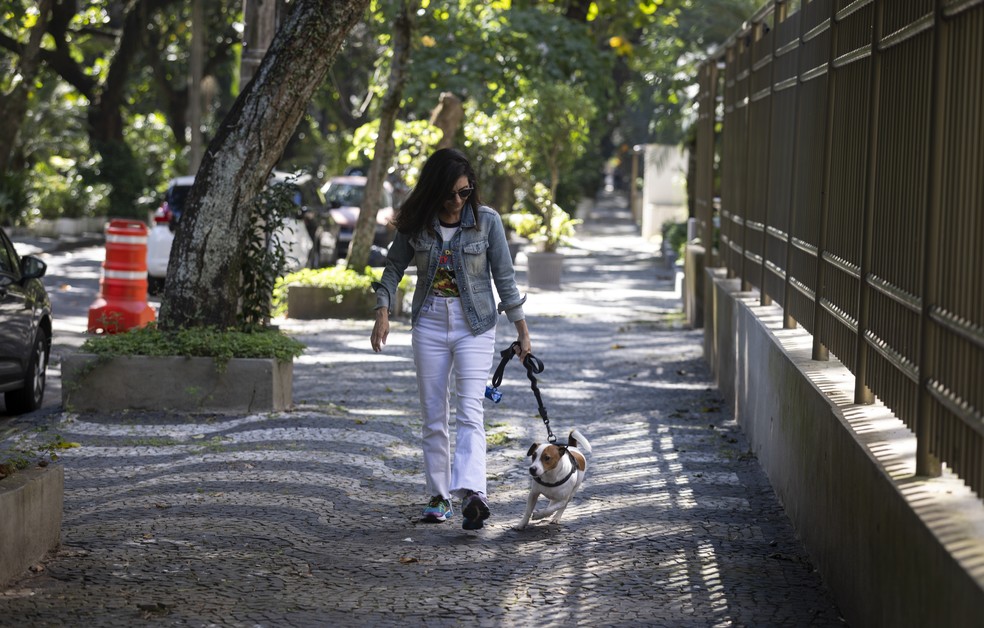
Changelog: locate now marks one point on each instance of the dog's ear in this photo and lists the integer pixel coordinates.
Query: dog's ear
(533, 448)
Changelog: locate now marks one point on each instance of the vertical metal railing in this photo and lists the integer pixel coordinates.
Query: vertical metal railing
(813, 93)
(852, 147)
(782, 148)
(952, 364)
(758, 141)
(705, 188)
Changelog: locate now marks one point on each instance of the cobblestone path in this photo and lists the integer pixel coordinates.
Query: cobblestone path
(311, 517)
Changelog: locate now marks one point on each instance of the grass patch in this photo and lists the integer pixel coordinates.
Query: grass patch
(497, 439)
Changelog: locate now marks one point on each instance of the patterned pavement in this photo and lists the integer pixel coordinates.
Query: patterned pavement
(311, 517)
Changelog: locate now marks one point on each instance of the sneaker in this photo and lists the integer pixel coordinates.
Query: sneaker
(475, 510)
(438, 509)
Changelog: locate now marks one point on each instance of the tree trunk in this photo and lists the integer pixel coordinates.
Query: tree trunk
(503, 193)
(204, 274)
(13, 105)
(447, 116)
(365, 227)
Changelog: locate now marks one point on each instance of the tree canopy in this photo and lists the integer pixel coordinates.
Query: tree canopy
(105, 122)
(94, 95)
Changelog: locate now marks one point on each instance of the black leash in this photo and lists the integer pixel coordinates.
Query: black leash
(533, 366)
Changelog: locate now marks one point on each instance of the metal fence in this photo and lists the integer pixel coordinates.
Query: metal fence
(840, 167)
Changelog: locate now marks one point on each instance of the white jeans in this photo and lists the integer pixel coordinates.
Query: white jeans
(443, 345)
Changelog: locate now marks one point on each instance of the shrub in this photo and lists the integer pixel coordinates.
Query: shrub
(338, 278)
(675, 234)
(207, 342)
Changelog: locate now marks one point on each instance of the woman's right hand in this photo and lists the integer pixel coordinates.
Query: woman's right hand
(380, 330)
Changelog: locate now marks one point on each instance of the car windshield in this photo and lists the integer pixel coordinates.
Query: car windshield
(348, 195)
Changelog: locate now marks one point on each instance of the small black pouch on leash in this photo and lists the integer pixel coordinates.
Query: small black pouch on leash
(533, 366)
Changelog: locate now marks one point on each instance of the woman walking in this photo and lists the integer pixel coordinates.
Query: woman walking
(459, 247)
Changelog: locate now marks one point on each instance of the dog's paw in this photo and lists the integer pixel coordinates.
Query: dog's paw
(538, 514)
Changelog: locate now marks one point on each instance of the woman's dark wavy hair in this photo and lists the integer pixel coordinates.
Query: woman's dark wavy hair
(437, 178)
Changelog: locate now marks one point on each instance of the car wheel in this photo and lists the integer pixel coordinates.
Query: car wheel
(29, 398)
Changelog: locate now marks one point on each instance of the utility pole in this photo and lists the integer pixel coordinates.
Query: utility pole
(196, 67)
(261, 18)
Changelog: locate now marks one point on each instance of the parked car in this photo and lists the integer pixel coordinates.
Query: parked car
(298, 236)
(25, 329)
(344, 196)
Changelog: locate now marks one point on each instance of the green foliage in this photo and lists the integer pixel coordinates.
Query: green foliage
(205, 342)
(675, 234)
(547, 124)
(633, 59)
(24, 454)
(338, 278)
(64, 188)
(264, 258)
(554, 119)
(108, 177)
(13, 198)
(156, 151)
(59, 178)
(485, 51)
(414, 141)
(530, 220)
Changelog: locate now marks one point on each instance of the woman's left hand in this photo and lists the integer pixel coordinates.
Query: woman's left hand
(525, 348)
(525, 344)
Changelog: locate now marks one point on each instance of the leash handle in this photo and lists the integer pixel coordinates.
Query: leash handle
(534, 365)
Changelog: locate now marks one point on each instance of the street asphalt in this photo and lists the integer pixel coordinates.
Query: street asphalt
(311, 517)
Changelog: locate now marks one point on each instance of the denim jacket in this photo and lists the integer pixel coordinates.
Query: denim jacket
(481, 256)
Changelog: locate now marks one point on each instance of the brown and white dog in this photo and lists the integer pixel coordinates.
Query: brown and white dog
(557, 472)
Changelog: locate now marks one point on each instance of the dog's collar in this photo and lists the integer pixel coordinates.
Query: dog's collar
(566, 477)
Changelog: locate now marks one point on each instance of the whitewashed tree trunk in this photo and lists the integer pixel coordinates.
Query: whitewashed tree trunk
(204, 273)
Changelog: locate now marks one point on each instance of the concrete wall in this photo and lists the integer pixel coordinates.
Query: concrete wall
(664, 188)
(30, 518)
(102, 384)
(894, 549)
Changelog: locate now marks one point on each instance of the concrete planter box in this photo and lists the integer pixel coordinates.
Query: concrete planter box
(30, 518)
(95, 383)
(515, 246)
(317, 302)
(543, 270)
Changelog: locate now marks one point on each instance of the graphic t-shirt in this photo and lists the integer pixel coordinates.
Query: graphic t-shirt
(445, 284)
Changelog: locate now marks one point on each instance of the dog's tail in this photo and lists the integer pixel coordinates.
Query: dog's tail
(577, 439)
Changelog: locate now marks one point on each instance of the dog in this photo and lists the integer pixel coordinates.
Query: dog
(557, 472)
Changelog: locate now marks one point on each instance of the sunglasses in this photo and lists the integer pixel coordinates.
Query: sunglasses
(463, 193)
